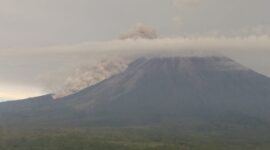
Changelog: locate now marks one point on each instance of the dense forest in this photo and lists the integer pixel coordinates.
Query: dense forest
(135, 138)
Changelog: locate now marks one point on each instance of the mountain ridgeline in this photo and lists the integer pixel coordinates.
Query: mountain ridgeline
(155, 91)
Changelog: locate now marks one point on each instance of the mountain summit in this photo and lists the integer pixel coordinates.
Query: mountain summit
(154, 91)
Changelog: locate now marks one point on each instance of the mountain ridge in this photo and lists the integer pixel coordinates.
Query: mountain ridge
(156, 90)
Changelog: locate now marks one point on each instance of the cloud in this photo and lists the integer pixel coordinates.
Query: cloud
(69, 68)
(257, 30)
(140, 31)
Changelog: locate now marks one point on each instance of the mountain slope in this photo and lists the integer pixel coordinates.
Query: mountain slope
(158, 90)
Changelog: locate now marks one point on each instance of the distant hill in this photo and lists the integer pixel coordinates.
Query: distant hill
(156, 91)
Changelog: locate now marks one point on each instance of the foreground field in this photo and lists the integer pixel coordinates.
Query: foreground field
(143, 138)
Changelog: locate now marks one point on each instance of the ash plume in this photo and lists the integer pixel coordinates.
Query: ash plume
(140, 31)
(86, 76)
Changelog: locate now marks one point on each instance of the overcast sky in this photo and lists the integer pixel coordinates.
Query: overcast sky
(41, 37)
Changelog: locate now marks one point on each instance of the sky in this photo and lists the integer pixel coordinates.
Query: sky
(43, 42)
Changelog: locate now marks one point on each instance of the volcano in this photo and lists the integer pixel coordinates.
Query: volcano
(157, 90)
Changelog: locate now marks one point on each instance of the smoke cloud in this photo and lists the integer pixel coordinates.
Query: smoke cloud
(86, 76)
(140, 31)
